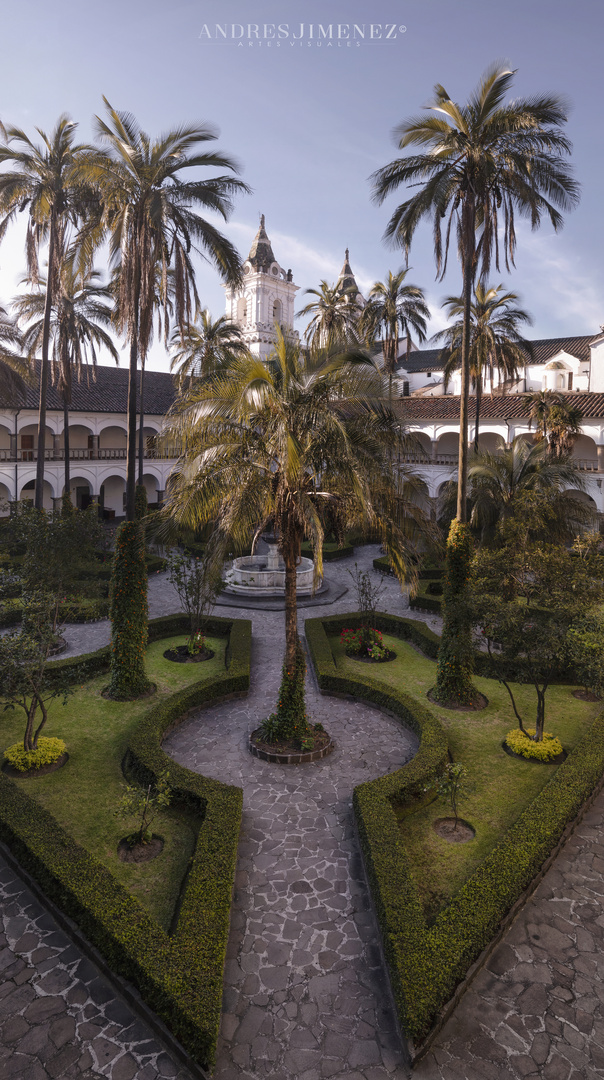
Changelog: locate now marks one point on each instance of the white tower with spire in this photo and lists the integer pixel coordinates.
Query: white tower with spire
(265, 298)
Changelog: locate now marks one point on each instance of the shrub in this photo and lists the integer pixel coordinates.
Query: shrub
(128, 613)
(47, 752)
(546, 750)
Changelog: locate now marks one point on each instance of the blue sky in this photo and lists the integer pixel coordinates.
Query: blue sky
(308, 123)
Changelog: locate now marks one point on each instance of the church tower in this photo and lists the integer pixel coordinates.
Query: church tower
(265, 298)
(346, 283)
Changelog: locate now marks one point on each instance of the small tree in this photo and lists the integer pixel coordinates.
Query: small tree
(23, 675)
(128, 612)
(144, 804)
(197, 586)
(368, 593)
(527, 595)
(452, 785)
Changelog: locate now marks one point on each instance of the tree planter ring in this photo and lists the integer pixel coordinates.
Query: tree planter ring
(289, 757)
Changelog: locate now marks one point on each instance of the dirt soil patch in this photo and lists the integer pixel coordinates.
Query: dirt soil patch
(139, 853)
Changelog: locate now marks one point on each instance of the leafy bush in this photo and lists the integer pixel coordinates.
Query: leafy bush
(456, 654)
(47, 752)
(546, 750)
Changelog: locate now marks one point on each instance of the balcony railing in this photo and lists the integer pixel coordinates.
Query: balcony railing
(104, 453)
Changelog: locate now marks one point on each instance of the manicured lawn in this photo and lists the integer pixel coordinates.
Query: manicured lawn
(83, 795)
(502, 786)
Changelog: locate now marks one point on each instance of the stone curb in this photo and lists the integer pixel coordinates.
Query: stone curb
(122, 988)
(417, 1053)
(302, 757)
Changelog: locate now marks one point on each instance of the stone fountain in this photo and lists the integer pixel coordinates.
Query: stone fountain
(264, 574)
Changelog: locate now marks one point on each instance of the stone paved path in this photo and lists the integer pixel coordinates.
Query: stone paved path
(58, 1016)
(304, 985)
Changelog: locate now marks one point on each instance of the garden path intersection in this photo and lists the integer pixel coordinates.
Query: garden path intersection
(305, 991)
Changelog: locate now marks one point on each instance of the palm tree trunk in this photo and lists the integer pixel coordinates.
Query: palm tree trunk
(291, 608)
(141, 441)
(132, 373)
(469, 240)
(478, 403)
(66, 442)
(39, 491)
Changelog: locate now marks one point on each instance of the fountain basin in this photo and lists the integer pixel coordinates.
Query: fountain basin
(264, 575)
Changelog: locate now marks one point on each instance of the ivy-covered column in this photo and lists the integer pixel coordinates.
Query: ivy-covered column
(128, 612)
(456, 654)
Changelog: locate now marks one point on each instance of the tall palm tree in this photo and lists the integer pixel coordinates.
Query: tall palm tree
(335, 313)
(206, 345)
(278, 441)
(558, 422)
(479, 164)
(496, 344)
(80, 314)
(395, 306)
(47, 180)
(150, 219)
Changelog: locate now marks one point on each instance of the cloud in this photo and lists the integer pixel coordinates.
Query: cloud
(563, 292)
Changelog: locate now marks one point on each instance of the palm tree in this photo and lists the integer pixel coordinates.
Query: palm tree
(558, 422)
(499, 485)
(479, 163)
(335, 313)
(279, 441)
(149, 217)
(205, 346)
(79, 316)
(496, 344)
(49, 181)
(15, 371)
(394, 306)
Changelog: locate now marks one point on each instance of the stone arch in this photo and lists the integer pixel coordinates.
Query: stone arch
(490, 442)
(81, 491)
(585, 453)
(48, 491)
(447, 447)
(5, 438)
(5, 496)
(27, 441)
(112, 495)
(277, 311)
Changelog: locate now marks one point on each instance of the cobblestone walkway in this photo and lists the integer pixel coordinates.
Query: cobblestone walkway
(536, 1012)
(304, 984)
(58, 1016)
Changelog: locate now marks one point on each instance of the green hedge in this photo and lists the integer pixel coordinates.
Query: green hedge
(178, 975)
(423, 601)
(427, 962)
(72, 611)
(331, 551)
(428, 573)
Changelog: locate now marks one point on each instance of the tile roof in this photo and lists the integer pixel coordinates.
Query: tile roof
(543, 350)
(499, 407)
(107, 393)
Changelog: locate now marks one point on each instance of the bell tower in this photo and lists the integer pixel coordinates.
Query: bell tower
(266, 297)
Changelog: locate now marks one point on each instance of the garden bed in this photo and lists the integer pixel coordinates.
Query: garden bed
(163, 925)
(439, 904)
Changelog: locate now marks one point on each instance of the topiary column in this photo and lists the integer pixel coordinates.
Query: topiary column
(456, 654)
(290, 717)
(128, 612)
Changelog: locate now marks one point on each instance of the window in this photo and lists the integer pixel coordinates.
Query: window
(570, 380)
(428, 374)
(277, 311)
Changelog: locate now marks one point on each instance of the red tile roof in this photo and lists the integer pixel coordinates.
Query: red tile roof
(498, 407)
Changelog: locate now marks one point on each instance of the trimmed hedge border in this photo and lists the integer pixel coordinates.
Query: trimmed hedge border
(180, 975)
(331, 552)
(427, 962)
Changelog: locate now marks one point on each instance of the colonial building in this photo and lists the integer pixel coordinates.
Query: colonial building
(97, 429)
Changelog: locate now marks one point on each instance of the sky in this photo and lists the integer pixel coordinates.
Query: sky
(306, 105)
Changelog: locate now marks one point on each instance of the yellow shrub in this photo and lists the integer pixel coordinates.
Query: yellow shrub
(546, 750)
(49, 751)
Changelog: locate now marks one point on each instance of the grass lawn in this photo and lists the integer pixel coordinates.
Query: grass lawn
(83, 795)
(502, 786)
